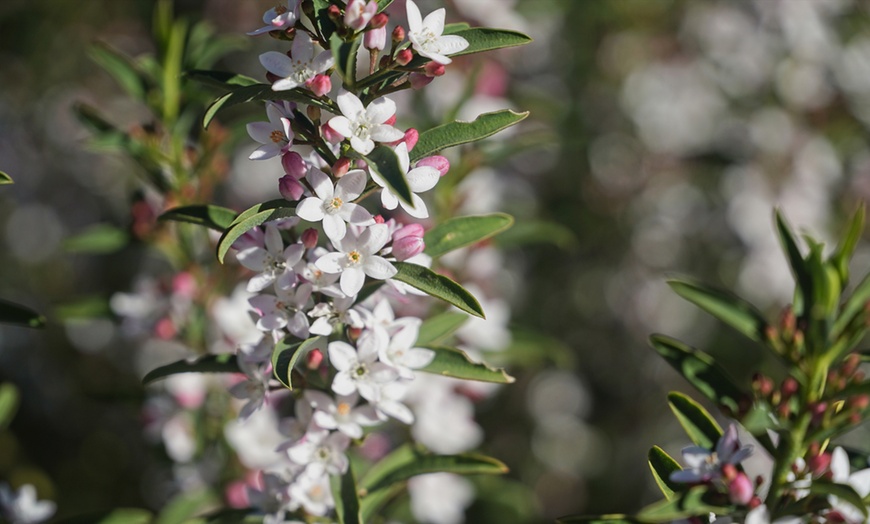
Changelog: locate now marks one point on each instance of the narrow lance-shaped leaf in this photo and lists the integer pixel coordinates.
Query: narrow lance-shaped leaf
(97, 239)
(463, 231)
(437, 328)
(259, 92)
(457, 133)
(223, 79)
(251, 218)
(383, 4)
(854, 306)
(5, 179)
(732, 310)
(481, 39)
(701, 428)
(841, 491)
(420, 463)
(438, 286)
(289, 352)
(385, 163)
(114, 516)
(12, 313)
(207, 364)
(451, 362)
(804, 295)
(598, 519)
(9, 398)
(347, 505)
(700, 370)
(692, 503)
(124, 69)
(840, 257)
(214, 217)
(184, 506)
(662, 465)
(344, 54)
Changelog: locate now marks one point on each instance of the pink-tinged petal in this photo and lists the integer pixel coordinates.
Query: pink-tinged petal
(415, 19)
(303, 294)
(274, 244)
(334, 227)
(341, 125)
(352, 279)
(260, 282)
(362, 147)
(277, 63)
(342, 356)
(310, 209)
(388, 199)
(288, 131)
(319, 400)
(385, 133)
(272, 322)
(351, 429)
(343, 384)
(321, 184)
(331, 263)
(434, 21)
(265, 152)
(350, 105)
(370, 344)
(264, 304)
(323, 61)
(356, 214)
(285, 281)
(253, 258)
(450, 44)
(379, 268)
(261, 132)
(351, 185)
(293, 254)
(416, 358)
(423, 178)
(260, 31)
(397, 410)
(417, 209)
(325, 420)
(374, 238)
(381, 110)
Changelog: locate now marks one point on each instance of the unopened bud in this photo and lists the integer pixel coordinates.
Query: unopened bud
(740, 489)
(762, 385)
(334, 13)
(184, 284)
(379, 21)
(859, 402)
(165, 329)
(850, 365)
(404, 57)
(314, 359)
(411, 138)
(353, 333)
(437, 161)
(340, 168)
(408, 247)
(819, 464)
(379, 219)
(754, 502)
(329, 134)
(398, 34)
(410, 230)
(309, 238)
(294, 165)
(290, 188)
(375, 38)
(313, 113)
(419, 80)
(390, 121)
(320, 84)
(434, 69)
(789, 387)
(729, 471)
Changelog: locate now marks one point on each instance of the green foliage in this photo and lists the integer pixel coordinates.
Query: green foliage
(451, 362)
(728, 308)
(115, 516)
(436, 329)
(459, 232)
(699, 425)
(383, 161)
(438, 286)
(456, 133)
(211, 216)
(5, 179)
(691, 503)
(481, 39)
(345, 54)
(18, 315)
(205, 364)
(9, 400)
(259, 93)
(287, 354)
(662, 465)
(347, 505)
(97, 239)
(841, 491)
(249, 219)
(184, 506)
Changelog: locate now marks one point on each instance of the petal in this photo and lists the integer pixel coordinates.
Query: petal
(395, 409)
(277, 63)
(840, 465)
(274, 244)
(298, 325)
(351, 185)
(321, 184)
(352, 280)
(370, 344)
(388, 199)
(356, 214)
(285, 84)
(272, 322)
(378, 268)
(450, 44)
(351, 429)
(341, 125)
(401, 151)
(265, 152)
(416, 358)
(374, 238)
(293, 254)
(310, 209)
(321, 327)
(362, 147)
(334, 227)
(331, 263)
(350, 105)
(415, 19)
(342, 356)
(418, 209)
(385, 133)
(319, 400)
(860, 480)
(323, 61)
(368, 391)
(406, 336)
(325, 420)
(302, 48)
(260, 282)
(381, 110)
(261, 132)
(434, 21)
(423, 178)
(253, 258)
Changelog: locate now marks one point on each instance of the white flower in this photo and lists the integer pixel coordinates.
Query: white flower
(426, 35)
(23, 507)
(358, 369)
(365, 125)
(761, 515)
(703, 465)
(302, 67)
(286, 310)
(440, 498)
(272, 260)
(321, 282)
(274, 499)
(420, 179)
(342, 414)
(256, 439)
(313, 493)
(340, 311)
(356, 259)
(400, 354)
(279, 18)
(859, 480)
(253, 389)
(275, 135)
(332, 204)
(389, 403)
(359, 13)
(323, 455)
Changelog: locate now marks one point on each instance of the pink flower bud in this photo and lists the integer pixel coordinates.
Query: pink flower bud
(309, 238)
(379, 219)
(339, 169)
(290, 188)
(398, 34)
(391, 121)
(437, 161)
(434, 69)
(358, 13)
(293, 164)
(411, 137)
(410, 230)
(819, 464)
(236, 494)
(165, 329)
(314, 359)
(379, 21)
(329, 134)
(419, 80)
(404, 57)
(740, 489)
(319, 85)
(334, 12)
(184, 284)
(407, 247)
(375, 38)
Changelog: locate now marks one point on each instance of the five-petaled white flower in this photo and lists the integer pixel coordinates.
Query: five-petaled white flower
(400, 353)
(322, 455)
(275, 135)
(302, 65)
(279, 17)
(364, 125)
(859, 481)
(358, 369)
(342, 414)
(426, 36)
(273, 261)
(286, 309)
(420, 179)
(704, 465)
(357, 258)
(23, 507)
(332, 204)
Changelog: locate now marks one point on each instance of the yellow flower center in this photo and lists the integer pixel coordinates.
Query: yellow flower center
(343, 409)
(354, 257)
(278, 136)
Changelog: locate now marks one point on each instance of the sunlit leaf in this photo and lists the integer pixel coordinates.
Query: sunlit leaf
(5, 179)
(208, 364)
(481, 39)
(254, 216)
(455, 133)
(289, 352)
(662, 465)
(692, 503)
(437, 328)
(98, 239)
(16, 314)
(214, 217)
(9, 399)
(451, 362)
(699, 425)
(731, 310)
(438, 286)
(459, 232)
(186, 505)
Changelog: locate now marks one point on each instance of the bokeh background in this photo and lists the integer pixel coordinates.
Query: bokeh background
(662, 135)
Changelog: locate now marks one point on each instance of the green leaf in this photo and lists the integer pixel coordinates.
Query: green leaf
(450, 362)
(254, 216)
(99, 239)
(456, 133)
(452, 29)
(5, 179)
(172, 70)
(16, 314)
(325, 25)
(662, 465)
(700, 370)
(84, 308)
(287, 354)
(383, 4)
(841, 256)
(533, 232)
(438, 286)
(9, 400)
(185, 506)
(799, 269)
(841, 491)
(258, 92)
(114, 516)
(464, 231)
(853, 307)
(419, 463)
(385, 163)
(598, 519)
(702, 429)
(222, 79)
(126, 72)
(230, 516)
(731, 310)
(436, 329)
(347, 505)
(481, 39)
(208, 364)
(344, 54)
(214, 217)
(694, 502)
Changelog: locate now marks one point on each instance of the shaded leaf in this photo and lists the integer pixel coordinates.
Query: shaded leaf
(532, 232)
(114, 516)
(853, 306)
(344, 54)
(230, 516)
(99, 239)
(598, 519)
(796, 262)
(9, 399)
(16, 314)
(347, 504)
(126, 72)
(5, 179)
(451, 362)
(688, 504)
(841, 256)
(841, 491)
(662, 465)
(438, 286)
(701, 428)
(84, 308)
(464, 231)
(325, 25)
(385, 163)
(186, 505)
(456, 133)
(730, 309)
(214, 217)
(419, 463)
(261, 93)
(208, 364)
(222, 79)
(383, 4)
(254, 216)
(287, 354)
(437, 328)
